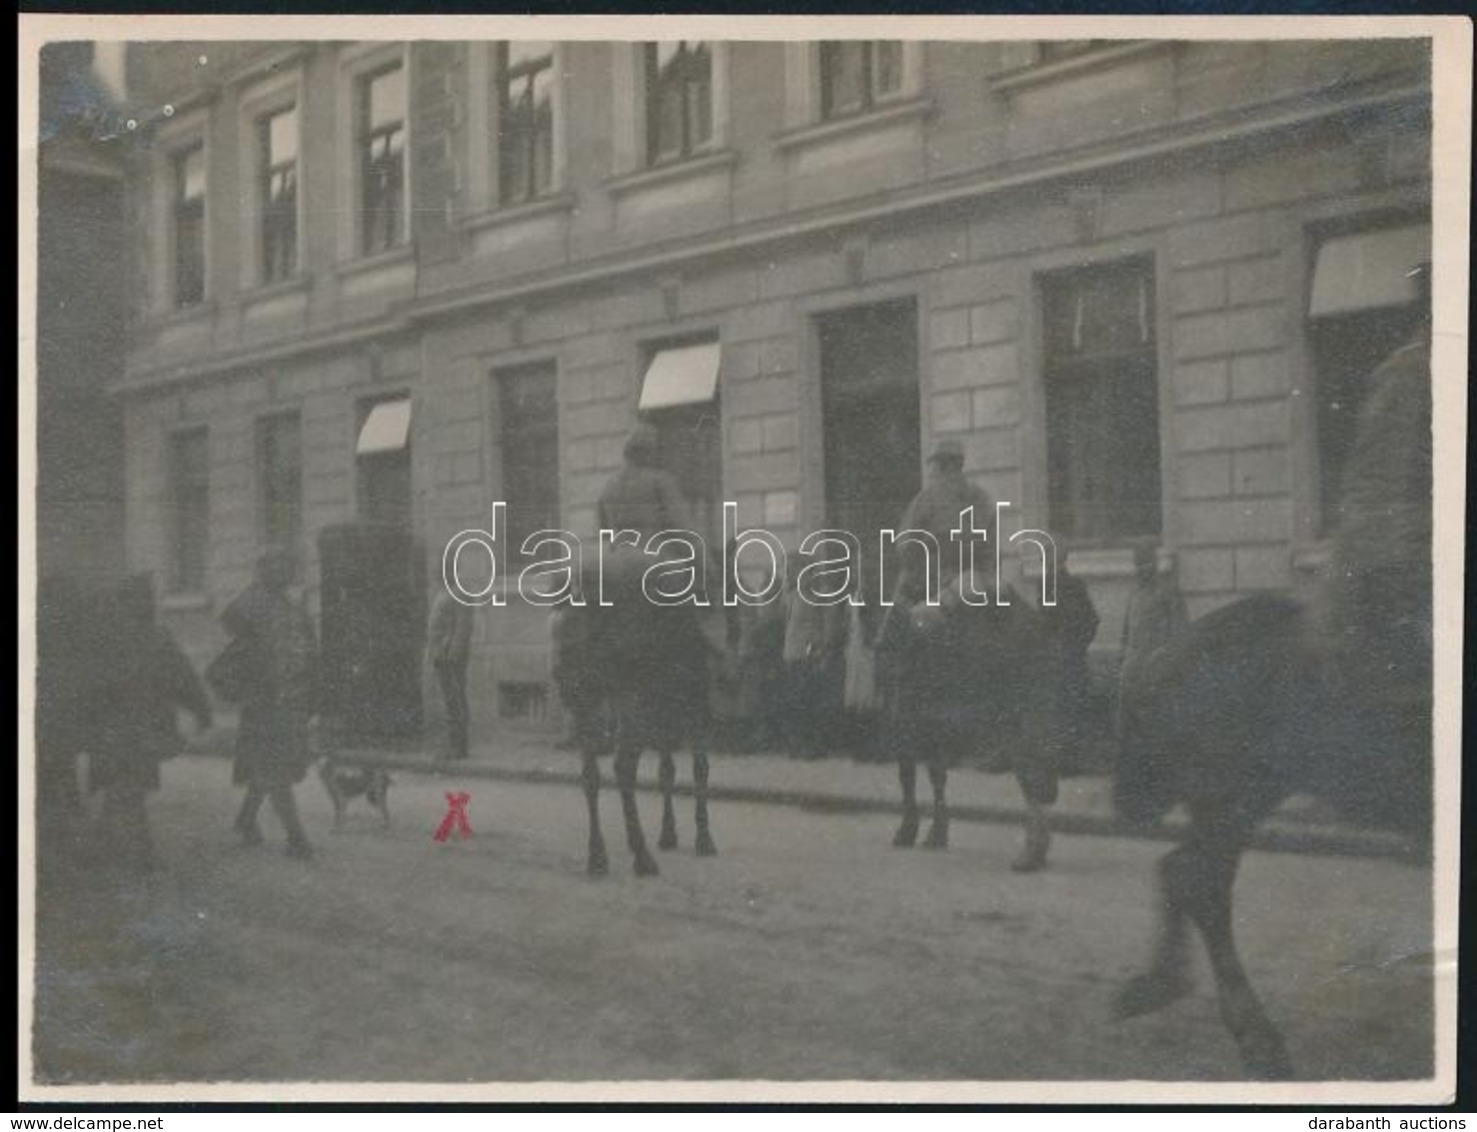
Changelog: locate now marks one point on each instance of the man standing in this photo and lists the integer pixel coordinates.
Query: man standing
(449, 646)
(1156, 615)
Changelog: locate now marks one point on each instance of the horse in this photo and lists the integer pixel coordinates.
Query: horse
(954, 672)
(1268, 696)
(634, 675)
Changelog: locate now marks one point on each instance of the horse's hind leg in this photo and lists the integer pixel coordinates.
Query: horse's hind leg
(667, 773)
(1167, 978)
(598, 864)
(626, 761)
(704, 845)
(907, 776)
(938, 830)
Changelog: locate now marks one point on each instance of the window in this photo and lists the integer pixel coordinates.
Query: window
(679, 99)
(279, 460)
(525, 125)
(188, 521)
(856, 74)
(1102, 402)
(1361, 308)
(277, 161)
(381, 149)
(528, 438)
(679, 395)
(383, 452)
(189, 226)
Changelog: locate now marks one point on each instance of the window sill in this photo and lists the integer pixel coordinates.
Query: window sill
(393, 257)
(185, 602)
(516, 213)
(874, 119)
(182, 316)
(290, 286)
(1040, 73)
(695, 166)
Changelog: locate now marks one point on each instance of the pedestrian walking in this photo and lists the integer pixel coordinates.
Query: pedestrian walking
(274, 636)
(145, 679)
(449, 647)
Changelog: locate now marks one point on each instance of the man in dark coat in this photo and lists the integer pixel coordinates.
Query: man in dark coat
(1069, 627)
(272, 751)
(147, 679)
(1156, 616)
(449, 647)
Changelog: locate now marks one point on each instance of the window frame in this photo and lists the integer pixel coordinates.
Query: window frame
(872, 95)
(355, 61)
(364, 464)
(270, 213)
(196, 206)
(688, 145)
(525, 435)
(366, 135)
(259, 102)
(180, 496)
(1117, 365)
(527, 71)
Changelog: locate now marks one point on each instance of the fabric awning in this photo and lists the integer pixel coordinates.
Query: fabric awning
(385, 429)
(1368, 270)
(685, 375)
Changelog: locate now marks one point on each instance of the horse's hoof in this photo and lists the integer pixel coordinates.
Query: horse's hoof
(1144, 994)
(646, 865)
(938, 836)
(598, 864)
(668, 839)
(906, 836)
(705, 846)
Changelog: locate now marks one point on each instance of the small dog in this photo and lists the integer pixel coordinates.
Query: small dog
(344, 783)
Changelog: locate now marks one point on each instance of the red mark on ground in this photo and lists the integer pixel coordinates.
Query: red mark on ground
(456, 817)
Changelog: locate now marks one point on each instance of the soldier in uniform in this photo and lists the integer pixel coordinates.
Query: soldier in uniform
(938, 510)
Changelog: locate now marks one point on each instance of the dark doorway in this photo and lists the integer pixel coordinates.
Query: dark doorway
(869, 404)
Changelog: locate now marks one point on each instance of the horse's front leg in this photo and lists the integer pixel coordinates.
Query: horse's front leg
(704, 845)
(598, 864)
(938, 778)
(1263, 1051)
(1168, 977)
(627, 759)
(907, 776)
(667, 773)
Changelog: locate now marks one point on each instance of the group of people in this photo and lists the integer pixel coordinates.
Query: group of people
(111, 682)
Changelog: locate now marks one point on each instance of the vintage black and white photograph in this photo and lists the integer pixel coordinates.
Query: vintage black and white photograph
(796, 558)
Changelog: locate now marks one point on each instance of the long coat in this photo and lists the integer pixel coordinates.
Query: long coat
(272, 746)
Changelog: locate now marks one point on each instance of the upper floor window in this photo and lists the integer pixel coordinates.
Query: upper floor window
(1102, 401)
(857, 74)
(525, 125)
(679, 99)
(189, 226)
(277, 146)
(381, 151)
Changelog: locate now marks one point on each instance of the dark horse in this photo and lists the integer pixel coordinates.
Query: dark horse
(950, 675)
(634, 675)
(1265, 697)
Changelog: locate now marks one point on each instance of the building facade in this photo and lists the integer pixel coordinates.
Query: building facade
(1141, 281)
